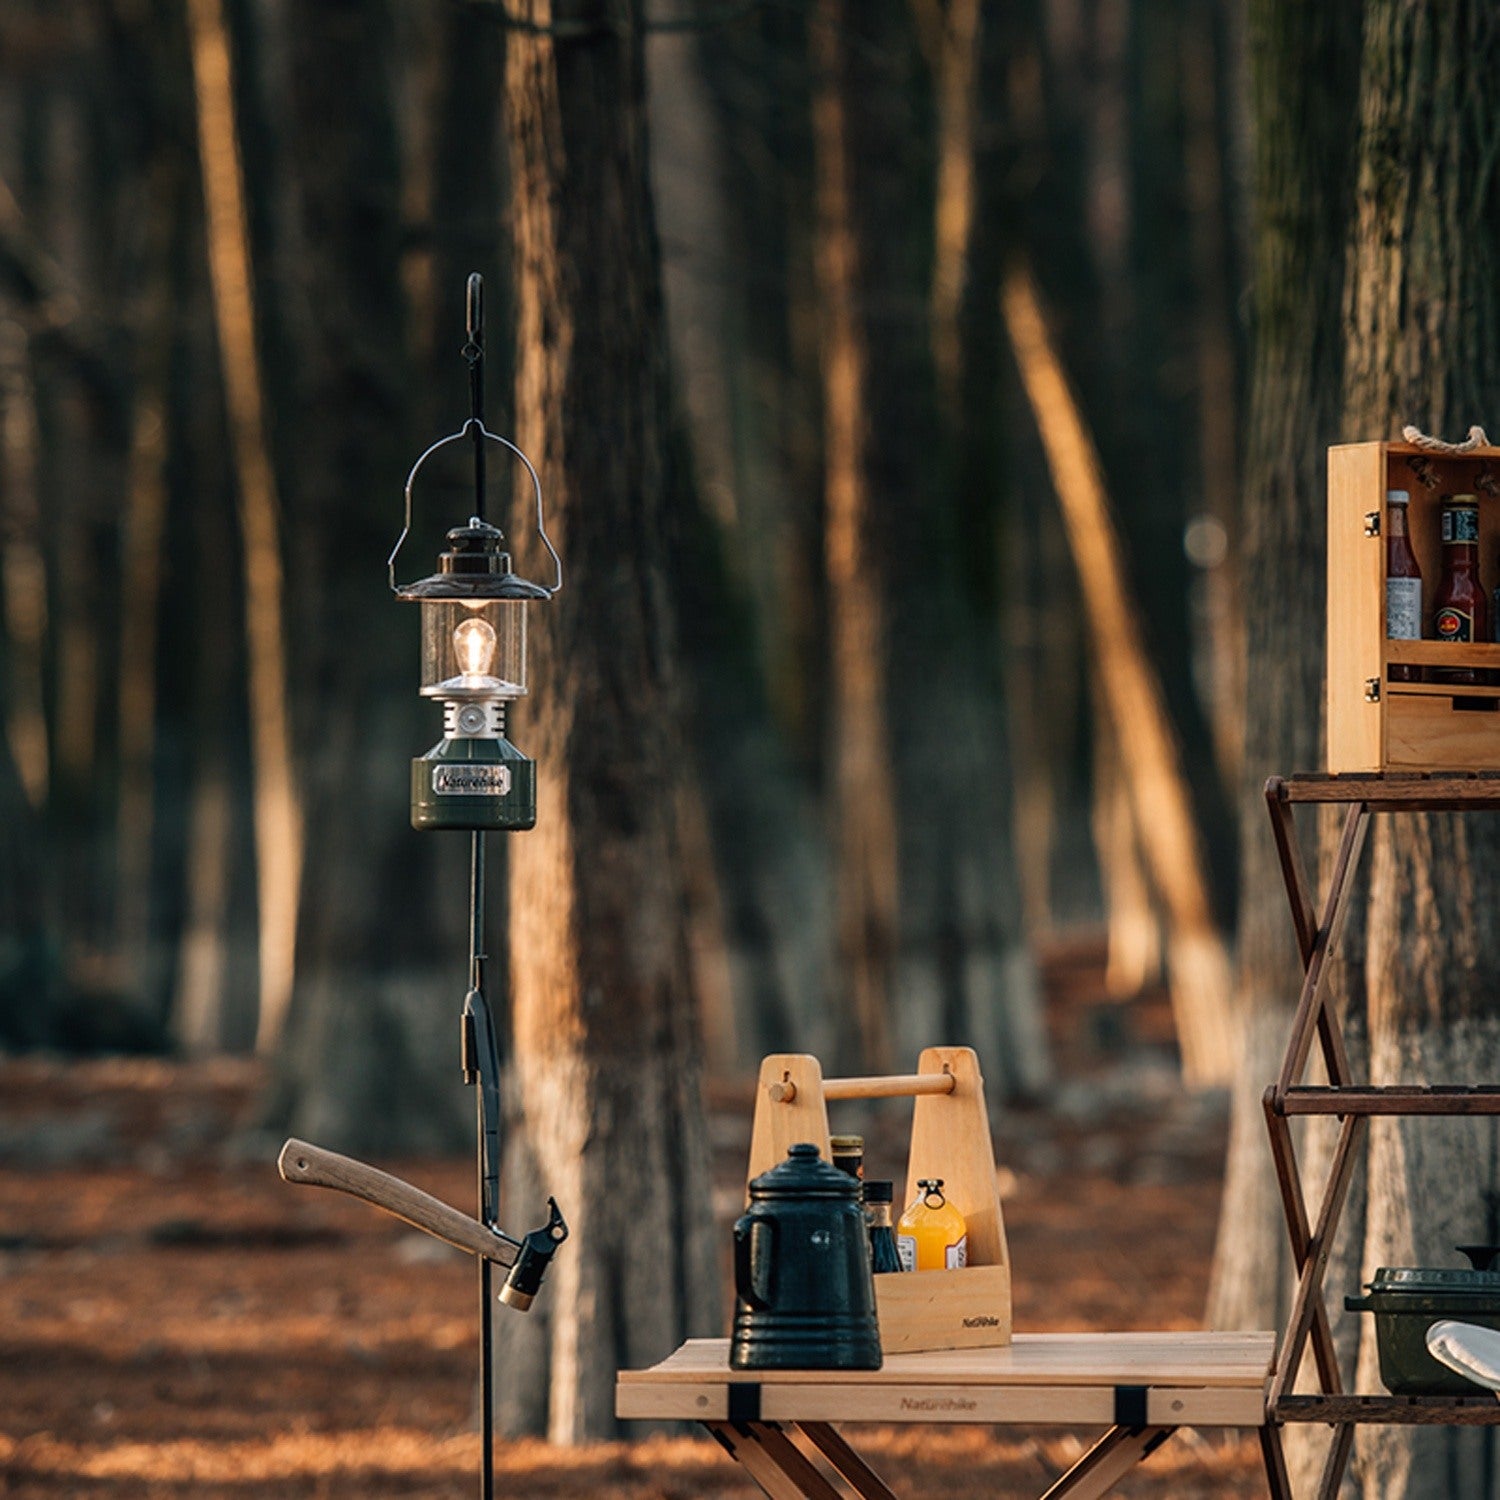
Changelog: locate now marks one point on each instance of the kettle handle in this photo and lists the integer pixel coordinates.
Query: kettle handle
(756, 1293)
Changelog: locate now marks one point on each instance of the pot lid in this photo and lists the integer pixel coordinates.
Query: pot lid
(804, 1174)
(1434, 1279)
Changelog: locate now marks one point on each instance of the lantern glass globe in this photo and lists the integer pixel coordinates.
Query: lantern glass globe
(473, 648)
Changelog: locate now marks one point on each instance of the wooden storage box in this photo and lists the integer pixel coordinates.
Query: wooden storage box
(950, 1138)
(1375, 724)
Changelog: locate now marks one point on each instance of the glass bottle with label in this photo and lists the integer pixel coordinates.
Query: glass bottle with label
(1460, 610)
(1403, 584)
(932, 1234)
(879, 1195)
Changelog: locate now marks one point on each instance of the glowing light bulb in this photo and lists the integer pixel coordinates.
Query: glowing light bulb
(474, 646)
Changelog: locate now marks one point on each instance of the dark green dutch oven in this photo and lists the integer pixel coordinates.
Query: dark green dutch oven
(1407, 1301)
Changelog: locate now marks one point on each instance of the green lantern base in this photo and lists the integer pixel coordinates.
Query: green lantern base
(475, 784)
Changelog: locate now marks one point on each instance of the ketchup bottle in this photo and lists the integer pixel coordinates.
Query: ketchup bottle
(1460, 611)
(1403, 584)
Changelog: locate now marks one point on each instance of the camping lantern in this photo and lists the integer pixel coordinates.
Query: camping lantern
(474, 663)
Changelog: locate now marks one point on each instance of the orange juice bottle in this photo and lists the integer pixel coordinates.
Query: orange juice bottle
(932, 1235)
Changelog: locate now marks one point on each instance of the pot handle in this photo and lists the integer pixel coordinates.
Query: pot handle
(756, 1291)
(1358, 1304)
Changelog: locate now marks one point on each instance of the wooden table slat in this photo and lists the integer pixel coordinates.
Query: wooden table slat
(1213, 1379)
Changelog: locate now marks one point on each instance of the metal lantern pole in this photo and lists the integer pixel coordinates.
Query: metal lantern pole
(478, 1030)
(474, 663)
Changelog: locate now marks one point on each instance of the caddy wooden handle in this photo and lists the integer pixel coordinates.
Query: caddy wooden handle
(314, 1167)
(889, 1086)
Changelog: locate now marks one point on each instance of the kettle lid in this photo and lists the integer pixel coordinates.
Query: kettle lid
(804, 1174)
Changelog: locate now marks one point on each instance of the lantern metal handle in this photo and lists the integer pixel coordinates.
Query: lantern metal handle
(536, 485)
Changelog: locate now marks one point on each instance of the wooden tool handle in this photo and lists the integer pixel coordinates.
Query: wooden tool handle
(314, 1167)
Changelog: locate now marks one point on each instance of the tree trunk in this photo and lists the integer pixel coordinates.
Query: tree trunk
(606, 1056)
(1304, 61)
(1197, 964)
(1421, 326)
(278, 815)
(863, 796)
(369, 1061)
(748, 570)
(964, 973)
(22, 570)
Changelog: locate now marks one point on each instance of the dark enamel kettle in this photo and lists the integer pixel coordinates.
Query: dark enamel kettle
(806, 1299)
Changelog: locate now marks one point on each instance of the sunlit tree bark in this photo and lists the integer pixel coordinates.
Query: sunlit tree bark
(278, 816)
(1422, 344)
(606, 1055)
(1304, 64)
(862, 797)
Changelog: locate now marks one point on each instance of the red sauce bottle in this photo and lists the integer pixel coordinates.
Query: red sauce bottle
(1403, 584)
(1460, 611)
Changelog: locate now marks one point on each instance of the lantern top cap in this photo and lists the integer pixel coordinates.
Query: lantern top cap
(475, 566)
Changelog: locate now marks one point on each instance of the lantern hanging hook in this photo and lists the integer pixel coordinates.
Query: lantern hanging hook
(477, 429)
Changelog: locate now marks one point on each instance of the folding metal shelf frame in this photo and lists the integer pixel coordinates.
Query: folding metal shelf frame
(1353, 1103)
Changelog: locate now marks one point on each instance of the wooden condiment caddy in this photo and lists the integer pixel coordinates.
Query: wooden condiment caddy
(950, 1138)
(1375, 724)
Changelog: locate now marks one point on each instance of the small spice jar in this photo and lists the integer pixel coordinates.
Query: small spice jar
(848, 1154)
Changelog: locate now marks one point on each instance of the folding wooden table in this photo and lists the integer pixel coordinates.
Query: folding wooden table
(778, 1424)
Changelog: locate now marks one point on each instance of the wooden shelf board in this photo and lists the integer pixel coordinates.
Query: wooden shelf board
(1392, 1099)
(1488, 692)
(1395, 791)
(1478, 1410)
(1444, 653)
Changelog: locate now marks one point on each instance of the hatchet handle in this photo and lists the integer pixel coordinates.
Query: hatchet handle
(301, 1162)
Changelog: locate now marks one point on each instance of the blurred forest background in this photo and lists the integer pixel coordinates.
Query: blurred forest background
(909, 759)
(931, 399)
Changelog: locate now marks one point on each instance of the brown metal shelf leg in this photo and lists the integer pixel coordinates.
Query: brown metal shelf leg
(1336, 1462)
(1278, 1481)
(1310, 1283)
(1310, 1019)
(1293, 869)
(1293, 1206)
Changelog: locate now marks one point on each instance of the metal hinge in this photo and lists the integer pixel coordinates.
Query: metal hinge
(1372, 690)
(1372, 523)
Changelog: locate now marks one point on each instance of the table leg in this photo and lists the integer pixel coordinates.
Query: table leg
(772, 1460)
(860, 1477)
(1107, 1462)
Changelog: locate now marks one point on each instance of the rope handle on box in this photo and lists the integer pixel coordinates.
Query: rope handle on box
(1476, 439)
(1419, 439)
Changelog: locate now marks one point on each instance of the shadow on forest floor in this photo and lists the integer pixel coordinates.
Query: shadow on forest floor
(175, 1321)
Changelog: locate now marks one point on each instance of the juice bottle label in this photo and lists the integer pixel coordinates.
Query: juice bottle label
(955, 1257)
(906, 1248)
(1403, 609)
